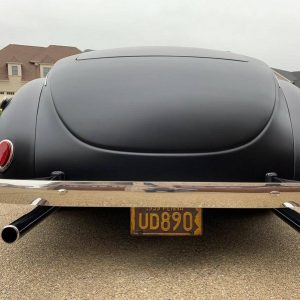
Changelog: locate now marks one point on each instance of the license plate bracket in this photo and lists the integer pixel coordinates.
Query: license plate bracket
(162, 221)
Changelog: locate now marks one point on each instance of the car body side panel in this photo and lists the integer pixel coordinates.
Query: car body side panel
(292, 96)
(18, 123)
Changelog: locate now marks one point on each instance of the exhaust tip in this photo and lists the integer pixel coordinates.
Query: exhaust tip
(10, 234)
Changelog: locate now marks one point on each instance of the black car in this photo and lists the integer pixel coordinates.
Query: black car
(153, 127)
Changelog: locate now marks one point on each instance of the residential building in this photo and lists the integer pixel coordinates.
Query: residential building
(20, 64)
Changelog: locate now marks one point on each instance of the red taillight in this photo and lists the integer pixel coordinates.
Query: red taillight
(6, 154)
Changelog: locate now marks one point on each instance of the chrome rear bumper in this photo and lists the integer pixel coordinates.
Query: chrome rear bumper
(149, 194)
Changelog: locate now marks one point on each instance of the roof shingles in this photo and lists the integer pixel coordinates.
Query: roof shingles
(29, 55)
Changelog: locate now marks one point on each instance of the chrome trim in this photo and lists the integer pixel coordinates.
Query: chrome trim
(38, 201)
(291, 204)
(2, 169)
(149, 194)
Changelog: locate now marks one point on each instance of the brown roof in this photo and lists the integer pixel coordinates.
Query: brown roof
(28, 55)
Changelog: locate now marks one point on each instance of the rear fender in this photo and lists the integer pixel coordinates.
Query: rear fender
(18, 124)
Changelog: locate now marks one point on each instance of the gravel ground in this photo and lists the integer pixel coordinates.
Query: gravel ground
(88, 254)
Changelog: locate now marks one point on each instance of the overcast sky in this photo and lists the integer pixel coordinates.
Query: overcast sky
(265, 29)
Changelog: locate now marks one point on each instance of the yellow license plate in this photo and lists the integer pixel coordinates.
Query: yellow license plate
(165, 221)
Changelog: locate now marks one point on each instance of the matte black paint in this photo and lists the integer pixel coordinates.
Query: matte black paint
(18, 123)
(292, 96)
(175, 114)
(163, 104)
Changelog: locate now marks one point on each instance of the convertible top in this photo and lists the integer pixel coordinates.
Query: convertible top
(163, 99)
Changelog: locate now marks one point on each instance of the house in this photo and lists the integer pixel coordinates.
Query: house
(292, 77)
(20, 64)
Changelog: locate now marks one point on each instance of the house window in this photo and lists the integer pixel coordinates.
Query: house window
(46, 71)
(1, 93)
(10, 93)
(14, 70)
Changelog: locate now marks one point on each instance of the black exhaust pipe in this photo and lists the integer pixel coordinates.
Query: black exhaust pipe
(15, 230)
(290, 214)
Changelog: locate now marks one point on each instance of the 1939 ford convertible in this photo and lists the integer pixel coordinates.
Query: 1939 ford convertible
(165, 131)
